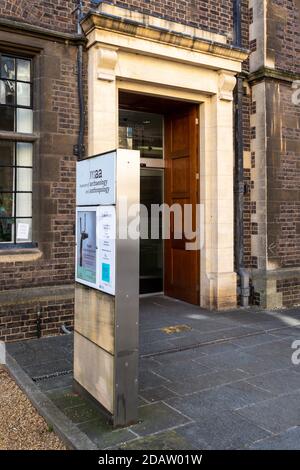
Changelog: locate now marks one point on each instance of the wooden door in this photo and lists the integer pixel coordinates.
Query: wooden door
(182, 266)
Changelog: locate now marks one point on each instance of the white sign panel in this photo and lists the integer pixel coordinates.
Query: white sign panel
(107, 248)
(96, 180)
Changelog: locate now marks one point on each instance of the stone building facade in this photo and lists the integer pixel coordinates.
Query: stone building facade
(172, 50)
(275, 145)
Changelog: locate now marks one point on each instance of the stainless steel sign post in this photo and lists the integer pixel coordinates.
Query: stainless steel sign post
(107, 283)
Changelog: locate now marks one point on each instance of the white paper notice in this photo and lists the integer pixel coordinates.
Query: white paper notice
(107, 242)
(22, 231)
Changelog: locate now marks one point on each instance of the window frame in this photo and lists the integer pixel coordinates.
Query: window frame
(15, 191)
(15, 106)
(15, 137)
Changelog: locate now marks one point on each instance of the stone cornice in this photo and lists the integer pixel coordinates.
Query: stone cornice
(265, 73)
(134, 28)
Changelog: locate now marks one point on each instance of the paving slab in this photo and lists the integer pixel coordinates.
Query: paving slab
(148, 379)
(255, 340)
(288, 440)
(219, 348)
(280, 381)
(185, 356)
(169, 440)
(206, 381)
(275, 415)
(102, 434)
(251, 362)
(179, 371)
(158, 417)
(223, 430)
(227, 381)
(157, 394)
(224, 397)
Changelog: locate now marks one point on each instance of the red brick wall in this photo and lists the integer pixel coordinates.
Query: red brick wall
(290, 289)
(283, 176)
(247, 220)
(19, 322)
(52, 14)
(211, 14)
(283, 42)
(57, 120)
(58, 14)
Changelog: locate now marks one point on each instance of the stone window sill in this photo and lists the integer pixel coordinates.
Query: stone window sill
(12, 255)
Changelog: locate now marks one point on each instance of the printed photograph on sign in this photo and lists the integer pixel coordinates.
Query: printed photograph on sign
(107, 238)
(86, 246)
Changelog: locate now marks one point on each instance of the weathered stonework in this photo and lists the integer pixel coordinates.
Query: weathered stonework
(275, 148)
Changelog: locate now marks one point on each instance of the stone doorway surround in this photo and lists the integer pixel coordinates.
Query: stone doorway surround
(144, 54)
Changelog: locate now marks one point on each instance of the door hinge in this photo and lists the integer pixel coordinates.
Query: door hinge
(197, 176)
(197, 121)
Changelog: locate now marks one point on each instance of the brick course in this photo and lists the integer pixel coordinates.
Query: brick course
(290, 289)
(19, 322)
(283, 35)
(210, 14)
(284, 178)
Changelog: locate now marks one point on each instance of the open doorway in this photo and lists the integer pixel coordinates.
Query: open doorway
(166, 132)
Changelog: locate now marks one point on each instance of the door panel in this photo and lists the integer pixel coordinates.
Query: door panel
(151, 250)
(181, 187)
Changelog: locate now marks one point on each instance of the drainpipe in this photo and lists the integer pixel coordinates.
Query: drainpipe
(39, 324)
(239, 186)
(80, 146)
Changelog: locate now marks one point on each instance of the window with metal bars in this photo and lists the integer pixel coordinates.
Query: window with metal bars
(16, 116)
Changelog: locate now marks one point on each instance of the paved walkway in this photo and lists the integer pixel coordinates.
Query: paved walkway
(207, 381)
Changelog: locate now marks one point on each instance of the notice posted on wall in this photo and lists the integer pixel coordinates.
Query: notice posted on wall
(86, 271)
(22, 231)
(106, 253)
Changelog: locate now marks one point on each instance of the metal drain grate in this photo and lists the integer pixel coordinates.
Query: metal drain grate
(41, 378)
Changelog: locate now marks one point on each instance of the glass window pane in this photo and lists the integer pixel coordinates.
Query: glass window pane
(6, 221)
(24, 179)
(24, 154)
(24, 120)
(23, 70)
(23, 204)
(6, 204)
(141, 131)
(8, 67)
(6, 230)
(7, 153)
(7, 118)
(7, 92)
(23, 94)
(24, 230)
(6, 178)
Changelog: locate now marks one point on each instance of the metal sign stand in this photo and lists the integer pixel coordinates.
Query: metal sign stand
(107, 284)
